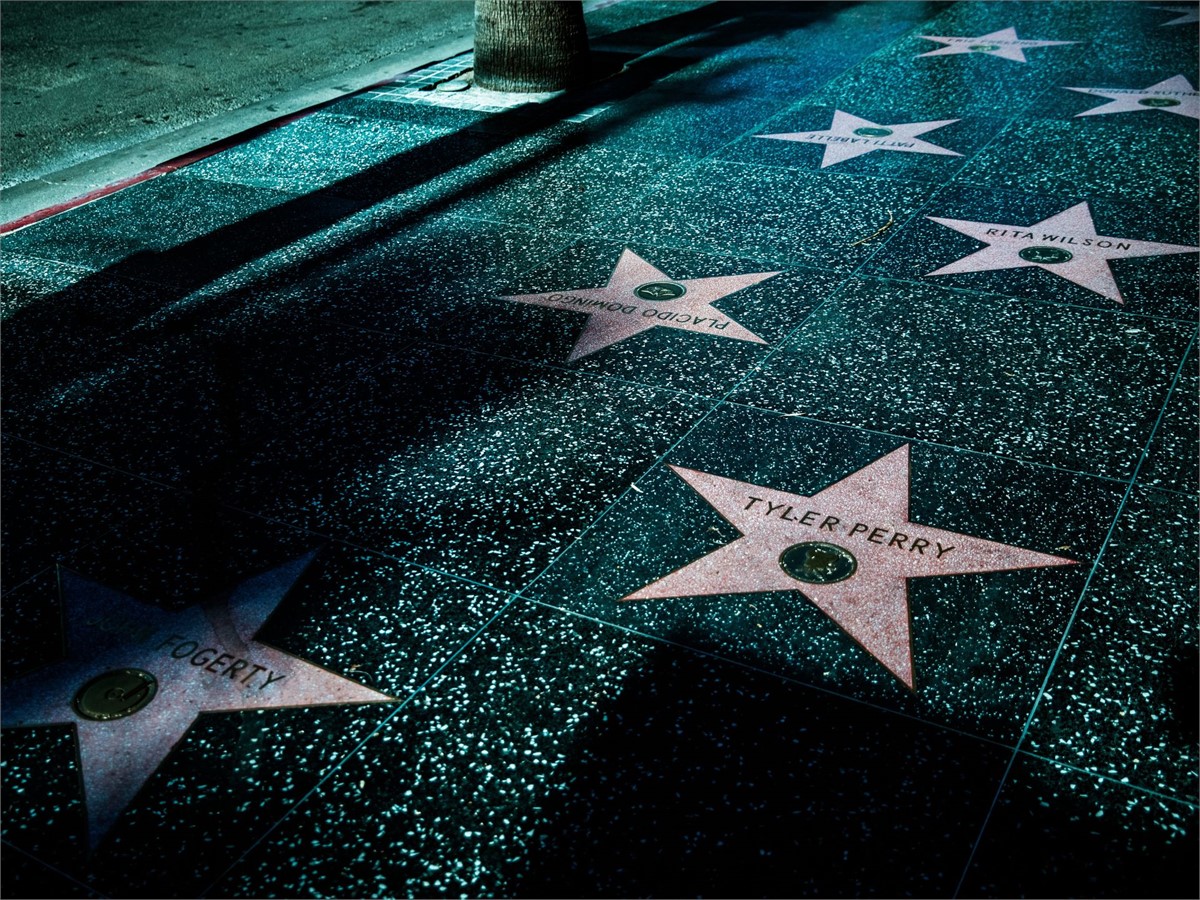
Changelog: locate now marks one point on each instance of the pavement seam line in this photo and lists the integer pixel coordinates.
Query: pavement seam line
(57, 871)
(1050, 669)
(336, 767)
(250, 123)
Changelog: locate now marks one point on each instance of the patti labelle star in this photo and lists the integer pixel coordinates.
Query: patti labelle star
(849, 548)
(850, 136)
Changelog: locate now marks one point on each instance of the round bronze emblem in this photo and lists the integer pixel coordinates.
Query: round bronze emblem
(115, 694)
(1047, 256)
(984, 48)
(661, 290)
(1158, 102)
(872, 132)
(815, 562)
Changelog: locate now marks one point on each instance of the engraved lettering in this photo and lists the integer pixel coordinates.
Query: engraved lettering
(197, 661)
(271, 679)
(238, 665)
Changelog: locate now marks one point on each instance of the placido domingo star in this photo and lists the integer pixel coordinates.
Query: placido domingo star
(849, 548)
(639, 297)
(136, 677)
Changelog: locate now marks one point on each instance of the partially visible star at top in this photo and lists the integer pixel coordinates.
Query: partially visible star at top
(1065, 244)
(640, 296)
(1191, 14)
(1173, 95)
(862, 545)
(850, 136)
(201, 659)
(1003, 43)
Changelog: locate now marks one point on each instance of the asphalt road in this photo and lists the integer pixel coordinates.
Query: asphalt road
(95, 91)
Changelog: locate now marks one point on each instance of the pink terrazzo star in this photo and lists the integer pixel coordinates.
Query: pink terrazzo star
(1173, 95)
(864, 514)
(1003, 43)
(850, 136)
(639, 297)
(1065, 244)
(1191, 15)
(203, 659)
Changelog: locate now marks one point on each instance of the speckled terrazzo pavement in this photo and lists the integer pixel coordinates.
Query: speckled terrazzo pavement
(527, 554)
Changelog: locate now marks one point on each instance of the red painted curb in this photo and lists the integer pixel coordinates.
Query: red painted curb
(45, 213)
(187, 159)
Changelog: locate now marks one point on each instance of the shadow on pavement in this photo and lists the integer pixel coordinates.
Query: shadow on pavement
(68, 344)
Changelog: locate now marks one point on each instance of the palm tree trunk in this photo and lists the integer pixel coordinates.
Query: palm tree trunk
(530, 45)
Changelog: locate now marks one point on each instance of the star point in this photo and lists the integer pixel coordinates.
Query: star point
(1065, 244)
(1190, 15)
(851, 136)
(639, 296)
(850, 548)
(1173, 95)
(1003, 43)
(176, 665)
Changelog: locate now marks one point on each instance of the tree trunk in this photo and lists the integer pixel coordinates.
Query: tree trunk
(530, 45)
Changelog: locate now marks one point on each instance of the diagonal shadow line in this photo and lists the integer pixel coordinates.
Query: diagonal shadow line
(206, 364)
(188, 267)
(194, 263)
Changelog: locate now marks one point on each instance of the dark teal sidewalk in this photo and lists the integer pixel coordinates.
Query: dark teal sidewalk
(770, 471)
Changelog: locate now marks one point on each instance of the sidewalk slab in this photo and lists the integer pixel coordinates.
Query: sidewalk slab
(658, 508)
(602, 745)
